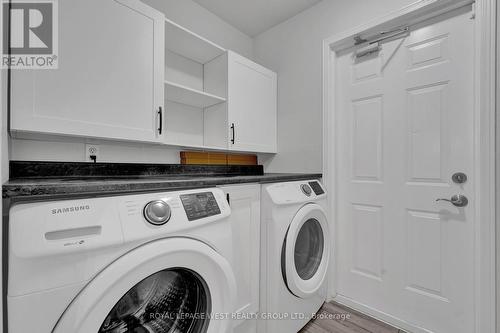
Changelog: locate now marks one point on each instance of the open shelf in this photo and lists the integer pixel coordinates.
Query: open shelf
(190, 45)
(185, 95)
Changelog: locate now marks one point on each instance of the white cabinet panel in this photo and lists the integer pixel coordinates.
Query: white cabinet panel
(245, 220)
(110, 78)
(252, 95)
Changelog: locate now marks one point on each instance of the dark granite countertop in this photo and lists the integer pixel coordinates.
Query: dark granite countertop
(40, 189)
(55, 181)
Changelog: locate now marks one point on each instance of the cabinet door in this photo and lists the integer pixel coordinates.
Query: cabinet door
(245, 220)
(252, 91)
(109, 83)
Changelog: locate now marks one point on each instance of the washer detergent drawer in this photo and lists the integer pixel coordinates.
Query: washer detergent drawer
(62, 227)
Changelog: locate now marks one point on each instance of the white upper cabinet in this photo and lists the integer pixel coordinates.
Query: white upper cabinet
(128, 73)
(110, 78)
(252, 103)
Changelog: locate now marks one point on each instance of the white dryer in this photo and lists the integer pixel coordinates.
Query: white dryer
(296, 252)
(156, 262)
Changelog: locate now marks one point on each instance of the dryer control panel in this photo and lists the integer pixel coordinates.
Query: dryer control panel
(316, 187)
(296, 192)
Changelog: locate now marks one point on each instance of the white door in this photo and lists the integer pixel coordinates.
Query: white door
(244, 201)
(252, 96)
(109, 83)
(405, 126)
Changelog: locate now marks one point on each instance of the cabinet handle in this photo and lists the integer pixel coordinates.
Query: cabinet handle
(228, 199)
(160, 119)
(232, 137)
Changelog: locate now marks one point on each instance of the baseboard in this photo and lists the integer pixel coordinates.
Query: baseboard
(382, 316)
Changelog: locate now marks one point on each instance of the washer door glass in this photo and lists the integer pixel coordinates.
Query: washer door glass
(173, 300)
(309, 249)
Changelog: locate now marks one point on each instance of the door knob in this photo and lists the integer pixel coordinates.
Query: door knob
(458, 200)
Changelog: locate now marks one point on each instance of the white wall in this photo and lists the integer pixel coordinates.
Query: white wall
(498, 170)
(4, 156)
(4, 137)
(74, 151)
(196, 18)
(185, 12)
(294, 50)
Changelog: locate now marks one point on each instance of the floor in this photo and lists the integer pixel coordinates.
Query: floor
(336, 318)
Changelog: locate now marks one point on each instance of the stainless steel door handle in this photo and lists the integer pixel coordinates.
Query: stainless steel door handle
(458, 200)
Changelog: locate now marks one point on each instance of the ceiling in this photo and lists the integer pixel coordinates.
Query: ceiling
(256, 16)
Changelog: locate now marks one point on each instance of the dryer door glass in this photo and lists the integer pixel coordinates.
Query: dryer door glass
(173, 300)
(309, 249)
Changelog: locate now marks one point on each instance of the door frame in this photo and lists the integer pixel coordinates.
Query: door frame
(484, 143)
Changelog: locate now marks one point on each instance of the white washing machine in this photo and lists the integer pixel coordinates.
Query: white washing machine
(296, 252)
(155, 262)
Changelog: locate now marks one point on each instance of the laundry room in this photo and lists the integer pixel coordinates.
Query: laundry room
(266, 166)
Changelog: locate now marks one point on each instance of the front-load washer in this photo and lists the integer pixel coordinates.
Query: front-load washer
(296, 251)
(153, 263)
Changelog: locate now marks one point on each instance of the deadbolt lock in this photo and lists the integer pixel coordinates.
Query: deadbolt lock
(459, 177)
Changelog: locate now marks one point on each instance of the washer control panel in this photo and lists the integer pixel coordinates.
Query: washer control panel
(199, 205)
(154, 215)
(157, 212)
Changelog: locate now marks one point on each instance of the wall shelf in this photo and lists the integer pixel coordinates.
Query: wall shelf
(190, 45)
(185, 95)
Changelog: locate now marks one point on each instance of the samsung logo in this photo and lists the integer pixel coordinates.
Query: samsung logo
(73, 209)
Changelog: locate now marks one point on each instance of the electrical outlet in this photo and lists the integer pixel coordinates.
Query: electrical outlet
(91, 150)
